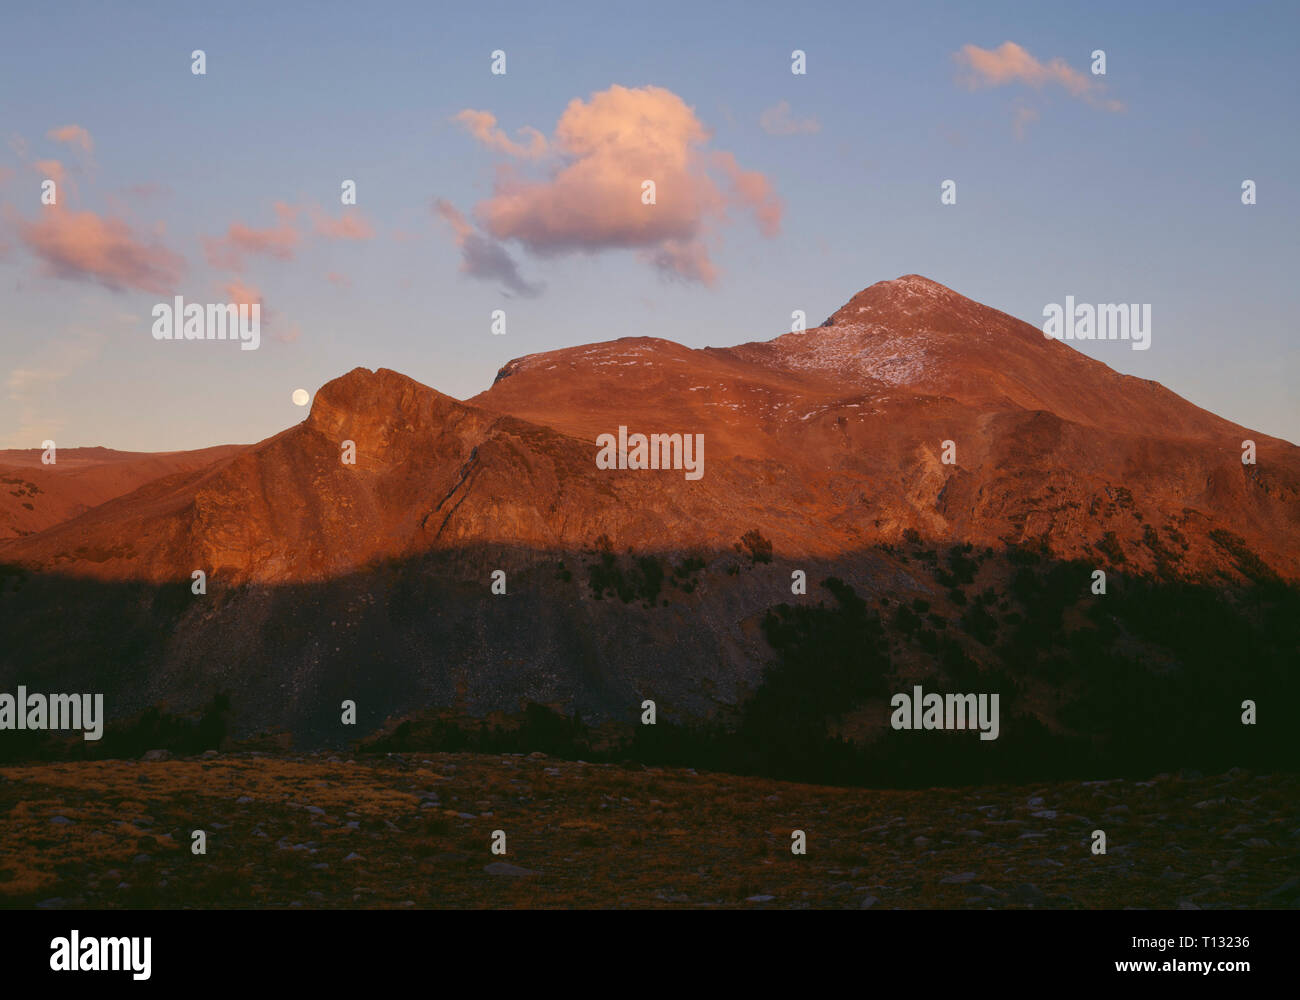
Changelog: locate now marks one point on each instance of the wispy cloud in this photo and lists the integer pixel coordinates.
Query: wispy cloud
(753, 191)
(1022, 118)
(281, 240)
(241, 294)
(483, 126)
(80, 141)
(778, 120)
(53, 169)
(74, 135)
(1010, 63)
(351, 225)
(103, 249)
(482, 257)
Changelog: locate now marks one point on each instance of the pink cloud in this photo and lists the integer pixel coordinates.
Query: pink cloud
(591, 198)
(752, 190)
(280, 241)
(52, 169)
(74, 135)
(86, 246)
(1010, 63)
(482, 125)
(454, 218)
(338, 280)
(241, 294)
(349, 226)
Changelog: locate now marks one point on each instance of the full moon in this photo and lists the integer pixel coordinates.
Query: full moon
(300, 396)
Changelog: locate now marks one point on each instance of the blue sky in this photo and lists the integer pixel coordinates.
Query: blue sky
(1138, 205)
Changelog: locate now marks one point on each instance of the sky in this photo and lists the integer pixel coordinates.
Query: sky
(522, 191)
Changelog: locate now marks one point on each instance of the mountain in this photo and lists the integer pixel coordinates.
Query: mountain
(34, 496)
(823, 453)
(827, 441)
(1051, 445)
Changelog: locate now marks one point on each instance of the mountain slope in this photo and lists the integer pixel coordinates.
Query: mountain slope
(35, 496)
(828, 441)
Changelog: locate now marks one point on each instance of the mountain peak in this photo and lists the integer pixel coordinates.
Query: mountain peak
(909, 294)
(916, 281)
(903, 331)
(376, 404)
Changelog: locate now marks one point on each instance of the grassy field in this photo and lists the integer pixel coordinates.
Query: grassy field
(324, 831)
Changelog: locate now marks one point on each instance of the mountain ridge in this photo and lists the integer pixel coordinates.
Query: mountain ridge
(827, 440)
